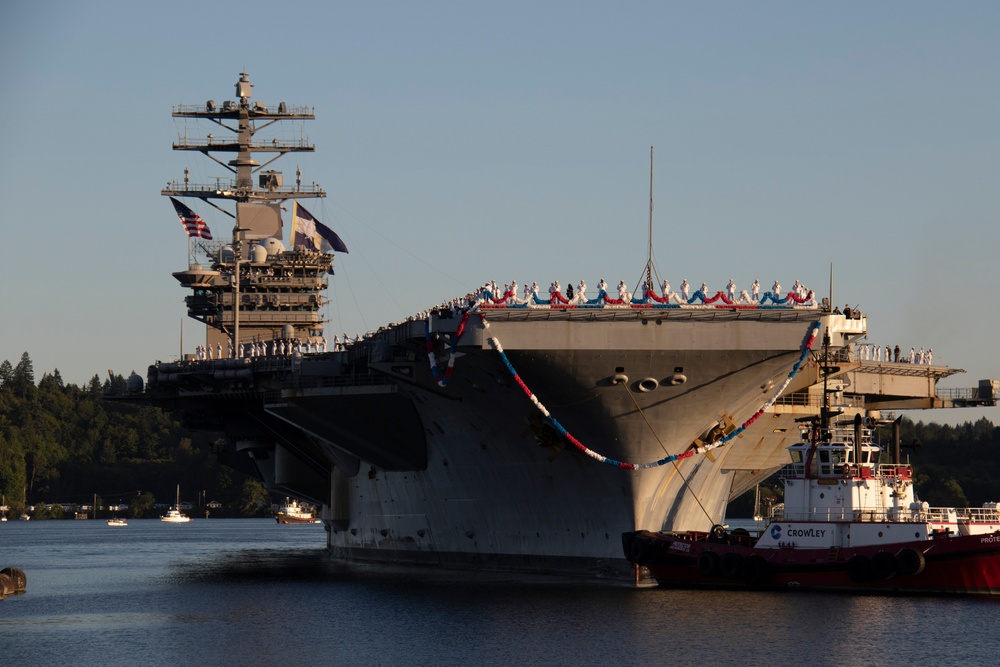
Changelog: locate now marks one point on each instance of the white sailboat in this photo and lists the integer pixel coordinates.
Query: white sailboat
(173, 514)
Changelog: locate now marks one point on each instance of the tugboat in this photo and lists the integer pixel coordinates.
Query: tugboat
(848, 523)
(292, 512)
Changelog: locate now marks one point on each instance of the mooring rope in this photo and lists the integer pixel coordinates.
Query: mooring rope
(677, 468)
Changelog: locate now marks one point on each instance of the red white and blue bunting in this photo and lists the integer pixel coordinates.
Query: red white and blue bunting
(807, 346)
(650, 299)
(439, 377)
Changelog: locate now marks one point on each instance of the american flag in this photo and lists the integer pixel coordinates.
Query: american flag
(193, 224)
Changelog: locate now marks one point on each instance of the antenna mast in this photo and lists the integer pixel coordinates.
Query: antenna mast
(649, 261)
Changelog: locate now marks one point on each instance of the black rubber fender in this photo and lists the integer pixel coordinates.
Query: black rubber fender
(859, 569)
(756, 570)
(910, 561)
(884, 565)
(708, 564)
(732, 565)
(638, 552)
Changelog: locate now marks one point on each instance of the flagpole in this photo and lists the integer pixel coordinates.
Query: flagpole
(236, 291)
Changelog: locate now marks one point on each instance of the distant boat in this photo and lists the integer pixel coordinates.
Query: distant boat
(173, 514)
(117, 521)
(292, 512)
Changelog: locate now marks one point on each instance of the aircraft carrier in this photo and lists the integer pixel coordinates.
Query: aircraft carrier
(517, 433)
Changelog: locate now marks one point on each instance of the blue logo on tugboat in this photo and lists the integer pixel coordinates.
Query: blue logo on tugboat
(775, 532)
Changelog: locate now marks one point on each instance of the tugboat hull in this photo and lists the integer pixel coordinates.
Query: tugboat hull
(962, 565)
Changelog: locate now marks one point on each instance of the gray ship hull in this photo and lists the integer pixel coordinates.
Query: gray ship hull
(469, 475)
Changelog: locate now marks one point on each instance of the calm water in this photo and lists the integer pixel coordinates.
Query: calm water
(251, 592)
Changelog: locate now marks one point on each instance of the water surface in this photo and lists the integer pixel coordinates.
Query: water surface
(251, 592)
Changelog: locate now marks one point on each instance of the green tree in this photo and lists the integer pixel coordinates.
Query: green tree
(23, 377)
(141, 506)
(255, 500)
(950, 494)
(6, 374)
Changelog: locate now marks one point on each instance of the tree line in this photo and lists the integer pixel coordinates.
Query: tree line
(63, 444)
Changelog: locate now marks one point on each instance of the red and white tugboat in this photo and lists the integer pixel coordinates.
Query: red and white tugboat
(848, 523)
(292, 512)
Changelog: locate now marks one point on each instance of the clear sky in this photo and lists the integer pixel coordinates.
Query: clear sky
(466, 141)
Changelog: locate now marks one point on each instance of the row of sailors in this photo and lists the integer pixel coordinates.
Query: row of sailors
(580, 294)
(274, 348)
(684, 296)
(871, 352)
(278, 348)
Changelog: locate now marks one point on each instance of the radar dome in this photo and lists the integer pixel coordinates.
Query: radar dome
(134, 383)
(273, 245)
(227, 254)
(258, 254)
(288, 331)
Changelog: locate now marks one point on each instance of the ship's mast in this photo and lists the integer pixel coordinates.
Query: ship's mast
(649, 262)
(249, 119)
(257, 213)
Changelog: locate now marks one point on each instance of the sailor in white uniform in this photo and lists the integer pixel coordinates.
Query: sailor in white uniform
(623, 292)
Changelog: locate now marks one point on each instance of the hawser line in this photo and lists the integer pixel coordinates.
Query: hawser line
(814, 329)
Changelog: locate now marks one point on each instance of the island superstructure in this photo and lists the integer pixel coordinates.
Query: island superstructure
(256, 292)
(516, 433)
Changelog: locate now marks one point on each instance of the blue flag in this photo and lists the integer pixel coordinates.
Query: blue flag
(308, 232)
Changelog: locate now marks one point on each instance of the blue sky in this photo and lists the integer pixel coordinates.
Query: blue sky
(466, 141)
